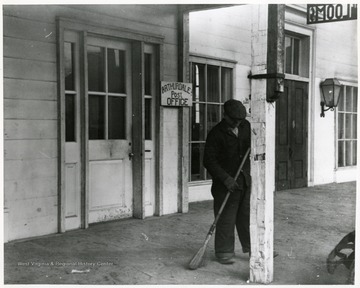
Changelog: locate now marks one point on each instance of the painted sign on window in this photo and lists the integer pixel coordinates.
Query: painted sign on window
(176, 94)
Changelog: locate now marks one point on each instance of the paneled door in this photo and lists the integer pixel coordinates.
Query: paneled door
(291, 136)
(109, 134)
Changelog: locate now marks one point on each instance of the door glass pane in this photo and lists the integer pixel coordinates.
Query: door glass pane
(148, 118)
(69, 66)
(116, 71)
(148, 74)
(213, 84)
(96, 117)
(70, 118)
(116, 108)
(226, 84)
(213, 116)
(198, 122)
(96, 71)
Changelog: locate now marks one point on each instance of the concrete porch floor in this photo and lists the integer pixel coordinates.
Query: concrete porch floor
(309, 222)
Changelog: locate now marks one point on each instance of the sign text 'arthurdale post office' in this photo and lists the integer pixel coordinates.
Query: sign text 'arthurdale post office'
(176, 94)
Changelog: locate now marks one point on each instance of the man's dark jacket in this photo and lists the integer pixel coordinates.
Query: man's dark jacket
(224, 153)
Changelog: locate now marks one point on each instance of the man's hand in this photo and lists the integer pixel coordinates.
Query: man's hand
(231, 184)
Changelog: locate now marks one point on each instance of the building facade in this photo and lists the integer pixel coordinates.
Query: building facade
(88, 140)
(310, 150)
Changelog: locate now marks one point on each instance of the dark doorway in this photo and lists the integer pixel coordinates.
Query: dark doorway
(291, 136)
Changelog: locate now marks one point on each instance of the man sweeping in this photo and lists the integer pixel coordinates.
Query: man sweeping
(225, 148)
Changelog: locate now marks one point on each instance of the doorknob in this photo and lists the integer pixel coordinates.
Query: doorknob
(131, 155)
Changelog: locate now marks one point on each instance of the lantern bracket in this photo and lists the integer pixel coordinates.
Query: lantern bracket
(323, 110)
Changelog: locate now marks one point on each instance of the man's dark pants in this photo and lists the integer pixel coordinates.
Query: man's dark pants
(236, 213)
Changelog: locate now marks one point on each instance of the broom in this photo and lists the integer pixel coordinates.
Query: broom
(198, 258)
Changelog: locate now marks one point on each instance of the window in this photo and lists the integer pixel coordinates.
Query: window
(347, 127)
(148, 94)
(292, 54)
(107, 98)
(70, 92)
(297, 55)
(212, 86)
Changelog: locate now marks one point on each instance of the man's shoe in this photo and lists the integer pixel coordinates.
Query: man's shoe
(226, 261)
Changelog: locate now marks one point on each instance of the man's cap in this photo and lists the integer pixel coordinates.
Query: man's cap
(235, 109)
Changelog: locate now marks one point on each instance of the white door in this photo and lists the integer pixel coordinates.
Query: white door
(72, 132)
(109, 120)
(150, 94)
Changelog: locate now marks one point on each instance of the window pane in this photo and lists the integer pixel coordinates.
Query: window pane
(348, 145)
(70, 118)
(205, 114)
(148, 74)
(213, 116)
(348, 129)
(354, 126)
(354, 160)
(96, 117)
(355, 99)
(341, 120)
(116, 71)
(116, 108)
(96, 71)
(226, 84)
(69, 66)
(296, 56)
(213, 84)
(197, 169)
(348, 99)
(341, 154)
(195, 160)
(341, 104)
(288, 54)
(199, 82)
(198, 122)
(148, 117)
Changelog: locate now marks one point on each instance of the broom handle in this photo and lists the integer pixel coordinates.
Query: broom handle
(212, 228)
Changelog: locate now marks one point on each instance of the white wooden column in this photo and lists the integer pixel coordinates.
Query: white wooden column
(267, 59)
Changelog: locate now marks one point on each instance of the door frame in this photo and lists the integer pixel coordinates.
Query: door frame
(306, 31)
(138, 39)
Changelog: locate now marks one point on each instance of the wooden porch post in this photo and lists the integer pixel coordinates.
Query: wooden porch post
(266, 85)
(184, 133)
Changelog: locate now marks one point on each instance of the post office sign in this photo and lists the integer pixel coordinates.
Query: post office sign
(176, 94)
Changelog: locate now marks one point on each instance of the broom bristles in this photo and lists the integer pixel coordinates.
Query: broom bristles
(198, 258)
